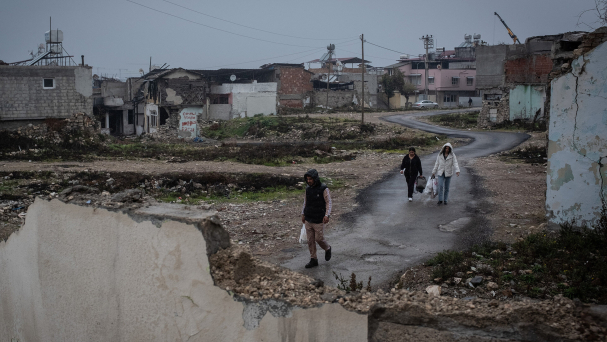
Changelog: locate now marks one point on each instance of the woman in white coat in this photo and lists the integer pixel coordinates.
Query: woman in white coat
(446, 164)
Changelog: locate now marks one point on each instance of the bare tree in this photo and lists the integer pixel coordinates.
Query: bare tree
(600, 10)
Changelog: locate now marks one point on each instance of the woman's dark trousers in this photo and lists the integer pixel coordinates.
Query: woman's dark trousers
(410, 185)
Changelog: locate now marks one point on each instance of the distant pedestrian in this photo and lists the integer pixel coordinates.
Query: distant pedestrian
(315, 214)
(410, 167)
(470, 102)
(446, 164)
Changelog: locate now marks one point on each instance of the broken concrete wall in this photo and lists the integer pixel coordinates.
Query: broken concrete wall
(84, 273)
(24, 98)
(220, 112)
(577, 142)
(337, 98)
(77, 273)
(527, 102)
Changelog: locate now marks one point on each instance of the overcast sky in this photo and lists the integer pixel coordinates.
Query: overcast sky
(118, 37)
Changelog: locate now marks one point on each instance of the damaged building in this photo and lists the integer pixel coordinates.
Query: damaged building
(49, 85)
(345, 83)
(513, 80)
(577, 143)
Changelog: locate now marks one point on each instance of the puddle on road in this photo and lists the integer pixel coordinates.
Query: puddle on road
(455, 225)
(380, 257)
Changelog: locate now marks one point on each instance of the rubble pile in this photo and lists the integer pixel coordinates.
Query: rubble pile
(250, 279)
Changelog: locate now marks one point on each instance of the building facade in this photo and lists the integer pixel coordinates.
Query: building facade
(32, 94)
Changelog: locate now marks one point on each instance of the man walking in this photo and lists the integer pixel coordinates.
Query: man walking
(470, 102)
(315, 214)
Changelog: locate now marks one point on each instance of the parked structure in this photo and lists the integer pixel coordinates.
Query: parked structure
(451, 74)
(577, 143)
(513, 80)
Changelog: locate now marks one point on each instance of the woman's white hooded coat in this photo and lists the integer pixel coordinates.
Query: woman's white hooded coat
(448, 166)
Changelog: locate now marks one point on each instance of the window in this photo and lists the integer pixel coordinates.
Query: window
(469, 81)
(130, 117)
(449, 98)
(430, 79)
(220, 98)
(48, 83)
(416, 79)
(153, 118)
(455, 80)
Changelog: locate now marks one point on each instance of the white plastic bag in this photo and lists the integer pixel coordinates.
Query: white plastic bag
(434, 187)
(303, 236)
(429, 186)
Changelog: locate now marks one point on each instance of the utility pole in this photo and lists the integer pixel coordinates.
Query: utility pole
(428, 44)
(331, 47)
(362, 104)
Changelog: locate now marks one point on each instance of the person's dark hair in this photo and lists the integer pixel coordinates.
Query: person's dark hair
(411, 149)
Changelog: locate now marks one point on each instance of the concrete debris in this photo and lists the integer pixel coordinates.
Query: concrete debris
(131, 195)
(434, 290)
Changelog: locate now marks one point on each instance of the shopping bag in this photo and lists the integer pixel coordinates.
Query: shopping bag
(303, 236)
(434, 187)
(420, 184)
(429, 186)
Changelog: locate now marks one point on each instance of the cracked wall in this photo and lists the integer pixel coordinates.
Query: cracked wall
(577, 141)
(78, 273)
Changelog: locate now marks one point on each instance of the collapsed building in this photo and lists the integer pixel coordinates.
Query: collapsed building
(181, 99)
(514, 80)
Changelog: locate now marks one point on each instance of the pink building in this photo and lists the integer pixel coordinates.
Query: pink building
(451, 75)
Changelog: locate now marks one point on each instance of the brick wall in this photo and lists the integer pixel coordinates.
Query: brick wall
(22, 96)
(294, 81)
(530, 69)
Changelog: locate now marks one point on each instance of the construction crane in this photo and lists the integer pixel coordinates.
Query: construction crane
(512, 35)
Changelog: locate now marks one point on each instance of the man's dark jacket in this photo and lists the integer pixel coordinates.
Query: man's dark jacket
(315, 208)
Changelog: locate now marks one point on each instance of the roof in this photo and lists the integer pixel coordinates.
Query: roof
(396, 65)
(291, 65)
(345, 60)
(157, 73)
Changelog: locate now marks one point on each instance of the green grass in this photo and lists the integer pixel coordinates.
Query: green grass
(459, 120)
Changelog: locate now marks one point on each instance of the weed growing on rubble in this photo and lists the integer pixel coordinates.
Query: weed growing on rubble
(349, 285)
(571, 261)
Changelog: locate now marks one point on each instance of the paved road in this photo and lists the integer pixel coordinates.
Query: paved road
(388, 234)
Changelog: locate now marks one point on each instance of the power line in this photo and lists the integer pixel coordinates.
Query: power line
(249, 27)
(265, 59)
(215, 28)
(403, 53)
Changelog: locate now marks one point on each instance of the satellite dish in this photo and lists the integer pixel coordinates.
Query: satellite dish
(233, 78)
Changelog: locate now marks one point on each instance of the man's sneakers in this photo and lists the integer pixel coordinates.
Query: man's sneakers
(440, 202)
(313, 263)
(328, 254)
(410, 199)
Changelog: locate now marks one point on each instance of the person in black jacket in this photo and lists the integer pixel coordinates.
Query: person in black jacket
(315, 214)
(410, 167)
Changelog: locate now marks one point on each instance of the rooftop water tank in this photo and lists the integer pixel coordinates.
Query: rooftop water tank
(55, 35)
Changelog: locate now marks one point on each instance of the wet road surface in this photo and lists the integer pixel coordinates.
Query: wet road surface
(388, 233)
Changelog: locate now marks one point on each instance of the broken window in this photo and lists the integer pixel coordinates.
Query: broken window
(455, 80)
(130, 117)
(221, 98)
(48, 83)
(469, 81)
(153, 118)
